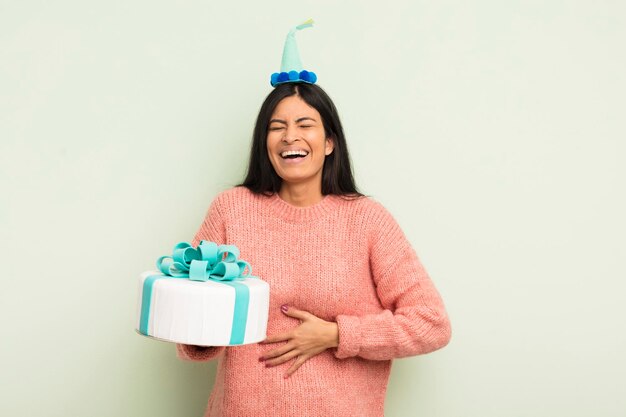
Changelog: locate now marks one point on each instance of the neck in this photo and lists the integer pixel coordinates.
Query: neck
(301, 195)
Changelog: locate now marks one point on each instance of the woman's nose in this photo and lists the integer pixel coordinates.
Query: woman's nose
(290, 135)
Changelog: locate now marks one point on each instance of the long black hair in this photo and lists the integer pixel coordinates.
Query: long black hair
(337, 178)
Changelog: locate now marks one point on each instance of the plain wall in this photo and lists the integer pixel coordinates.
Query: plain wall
(492, 130)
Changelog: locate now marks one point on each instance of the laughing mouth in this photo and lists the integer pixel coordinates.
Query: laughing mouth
(293, 154)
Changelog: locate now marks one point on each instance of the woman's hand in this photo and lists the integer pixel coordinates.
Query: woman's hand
(311, 337)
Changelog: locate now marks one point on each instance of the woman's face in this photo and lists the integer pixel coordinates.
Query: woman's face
(296, 142)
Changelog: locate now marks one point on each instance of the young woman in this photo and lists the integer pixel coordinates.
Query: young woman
(348, 293)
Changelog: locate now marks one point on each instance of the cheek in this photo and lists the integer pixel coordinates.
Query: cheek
(272, 142)
(269, 148)
(271, 155)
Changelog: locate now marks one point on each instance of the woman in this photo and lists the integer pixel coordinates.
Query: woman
(348, 293)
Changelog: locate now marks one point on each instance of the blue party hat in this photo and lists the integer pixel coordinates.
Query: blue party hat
(291, 70)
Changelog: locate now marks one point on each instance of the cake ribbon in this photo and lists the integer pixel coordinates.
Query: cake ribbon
(209, 261)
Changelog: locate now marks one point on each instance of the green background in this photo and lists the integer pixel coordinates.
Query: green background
(492, 130)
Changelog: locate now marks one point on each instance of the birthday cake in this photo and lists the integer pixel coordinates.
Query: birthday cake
(203, 296)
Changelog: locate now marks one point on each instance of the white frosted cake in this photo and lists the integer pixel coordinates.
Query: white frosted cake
(202, 313)
(203, 296)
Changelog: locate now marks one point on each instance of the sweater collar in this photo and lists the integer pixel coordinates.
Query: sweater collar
(293, 214)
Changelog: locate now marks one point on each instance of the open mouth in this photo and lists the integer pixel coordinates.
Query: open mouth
(293, 154)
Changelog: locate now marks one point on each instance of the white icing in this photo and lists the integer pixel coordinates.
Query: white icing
(201, 313)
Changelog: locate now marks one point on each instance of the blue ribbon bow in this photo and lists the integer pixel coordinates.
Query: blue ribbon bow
(206, 262)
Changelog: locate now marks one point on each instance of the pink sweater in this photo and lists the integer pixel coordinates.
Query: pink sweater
(341, 260)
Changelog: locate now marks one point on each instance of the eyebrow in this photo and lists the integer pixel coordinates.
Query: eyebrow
(302, 119)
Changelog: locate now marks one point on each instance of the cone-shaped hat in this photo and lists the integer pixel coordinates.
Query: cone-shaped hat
(291, 69)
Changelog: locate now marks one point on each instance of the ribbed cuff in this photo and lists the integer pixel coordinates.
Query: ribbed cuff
(349, 336)
(198, 353)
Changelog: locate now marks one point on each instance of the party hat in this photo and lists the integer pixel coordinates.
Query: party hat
(291, 70)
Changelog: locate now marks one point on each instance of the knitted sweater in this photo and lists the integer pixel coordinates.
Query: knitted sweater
(342, 260)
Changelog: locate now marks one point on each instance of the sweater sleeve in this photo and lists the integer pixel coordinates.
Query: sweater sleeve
(414, 320)
(212, 229)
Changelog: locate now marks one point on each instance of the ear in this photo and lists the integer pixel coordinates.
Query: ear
(330, 145)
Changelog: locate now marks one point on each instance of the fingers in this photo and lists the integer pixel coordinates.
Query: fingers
(276, 352)
(299, 344)
(277, 338)
(296, 364)
(281, 359)
(295, 313)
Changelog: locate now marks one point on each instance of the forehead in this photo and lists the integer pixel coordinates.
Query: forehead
(292, 108)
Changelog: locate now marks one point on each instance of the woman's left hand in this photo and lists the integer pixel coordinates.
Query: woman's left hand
(311, 337)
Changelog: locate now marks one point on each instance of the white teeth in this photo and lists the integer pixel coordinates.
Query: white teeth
(290, 153)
